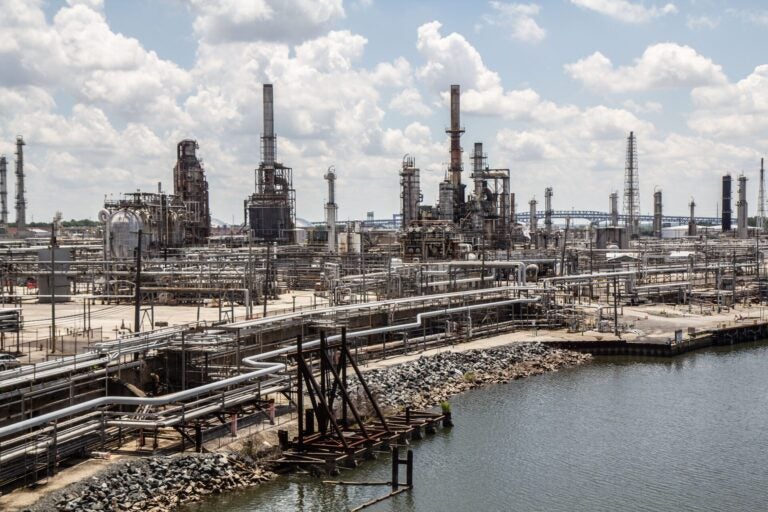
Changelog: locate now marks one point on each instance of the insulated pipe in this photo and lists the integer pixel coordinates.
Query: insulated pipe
(265, 368)
(257, 361)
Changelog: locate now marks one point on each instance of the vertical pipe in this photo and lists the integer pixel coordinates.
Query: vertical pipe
(137, 289)
(3, 191)
(299, 392)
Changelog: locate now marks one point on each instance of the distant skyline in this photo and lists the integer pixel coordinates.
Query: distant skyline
(102, 90)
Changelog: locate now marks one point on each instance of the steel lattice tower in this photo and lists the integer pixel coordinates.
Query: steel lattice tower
(632, 188)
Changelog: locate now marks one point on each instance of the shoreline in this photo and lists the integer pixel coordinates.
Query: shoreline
(265, 441)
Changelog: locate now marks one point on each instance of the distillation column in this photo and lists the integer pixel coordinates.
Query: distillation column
(533, 221)
(726, 202)
(547, 215)
(410, 191)
(614, 208)
(21, 202)
(741, 209)
(331, 209)
(692, 219)
(761, 199)
(3, 192)
(657, 214)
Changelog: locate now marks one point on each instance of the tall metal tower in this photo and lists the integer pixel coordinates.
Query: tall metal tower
(190, 185)
(3, 191)
(330, 209)
(632, 188)
(761, 198)
(21, 203)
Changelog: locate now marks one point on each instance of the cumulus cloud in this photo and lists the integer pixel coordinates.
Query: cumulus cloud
(663, 65)
(410, 102)
(732, 109)
(264, 20)
(451, 59)
(518, 19)
(625, 11)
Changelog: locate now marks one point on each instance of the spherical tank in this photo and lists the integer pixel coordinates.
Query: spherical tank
(123, 232)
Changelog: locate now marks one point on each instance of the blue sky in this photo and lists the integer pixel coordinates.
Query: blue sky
(103, 89)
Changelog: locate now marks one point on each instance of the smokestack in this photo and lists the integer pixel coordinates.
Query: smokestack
(726, 202)
(21, 203)
(3, 191)
(614, 206)
(268, 137)
(455, 132)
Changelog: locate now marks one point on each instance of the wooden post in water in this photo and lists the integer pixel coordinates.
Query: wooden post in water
(395, 467)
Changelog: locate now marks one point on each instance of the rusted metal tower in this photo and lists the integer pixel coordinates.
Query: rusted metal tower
(3, 191)
(410, 191)
(452, 190)
(190, 185)
(21, 202)
(632, 188)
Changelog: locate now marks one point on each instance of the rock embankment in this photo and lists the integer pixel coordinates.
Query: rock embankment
(428, 381)
(158, 484)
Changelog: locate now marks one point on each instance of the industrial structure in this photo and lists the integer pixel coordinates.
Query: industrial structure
(21, 201)
(271, 209)
(761, 199)
(632, 188)
(726, 203)
(657, 214)
(742, 228)
(437, 275)
(331, 209)
(190, 185)
(3, 192)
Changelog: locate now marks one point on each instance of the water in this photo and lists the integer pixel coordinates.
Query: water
(685, 434)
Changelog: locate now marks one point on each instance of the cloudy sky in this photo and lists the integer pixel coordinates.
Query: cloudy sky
(102, 90)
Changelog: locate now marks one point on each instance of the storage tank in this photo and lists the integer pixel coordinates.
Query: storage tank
(123, 234)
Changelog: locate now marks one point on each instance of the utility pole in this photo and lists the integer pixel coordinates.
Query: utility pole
(137, 288)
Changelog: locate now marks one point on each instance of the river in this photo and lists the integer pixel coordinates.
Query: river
(683, 434)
